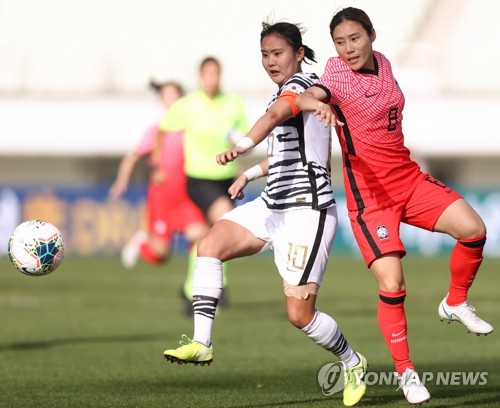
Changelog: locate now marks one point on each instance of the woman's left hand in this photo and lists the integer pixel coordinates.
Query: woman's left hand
(236, 189)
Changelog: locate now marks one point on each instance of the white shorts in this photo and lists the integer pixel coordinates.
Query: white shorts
(301, 238)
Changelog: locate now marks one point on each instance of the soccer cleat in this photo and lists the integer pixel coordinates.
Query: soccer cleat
(354, 386)
(190, 351)
(413, 389)
(131, 251)
(464, 313)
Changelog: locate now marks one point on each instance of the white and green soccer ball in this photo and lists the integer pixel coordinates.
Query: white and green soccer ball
(36, 247)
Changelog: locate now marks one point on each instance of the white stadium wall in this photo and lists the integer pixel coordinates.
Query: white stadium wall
(96, 46)
(75, 73)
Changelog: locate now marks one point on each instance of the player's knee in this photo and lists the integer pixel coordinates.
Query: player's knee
(476, 228)
(468, 225)
(391, 286)
(208, 247)
(298, 321)
(300, 318)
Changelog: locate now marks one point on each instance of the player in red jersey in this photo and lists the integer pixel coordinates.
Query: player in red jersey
(295, 216)
(360, 96)
(168, 208)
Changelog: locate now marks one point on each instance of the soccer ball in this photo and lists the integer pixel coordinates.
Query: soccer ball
(36, 248)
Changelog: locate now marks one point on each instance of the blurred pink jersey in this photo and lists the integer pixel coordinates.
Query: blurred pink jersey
(172, 155)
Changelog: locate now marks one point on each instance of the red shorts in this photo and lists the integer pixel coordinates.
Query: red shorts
(170, 210)
(376, 228)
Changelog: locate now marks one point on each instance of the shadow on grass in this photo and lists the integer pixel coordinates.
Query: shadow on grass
(289, 403)
(281, 388)
(488, 397)
(81, 340)
(472, 401)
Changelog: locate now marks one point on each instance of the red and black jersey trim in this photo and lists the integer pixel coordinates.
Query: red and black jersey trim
(360, 205)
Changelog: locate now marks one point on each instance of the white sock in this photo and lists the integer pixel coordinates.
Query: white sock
(324, 331)
(207, 289)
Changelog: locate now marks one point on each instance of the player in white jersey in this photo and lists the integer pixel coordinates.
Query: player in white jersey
(295, 216)
(299, 168)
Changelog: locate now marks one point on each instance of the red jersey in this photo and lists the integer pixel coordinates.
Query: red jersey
(377, 165)
(171, 161)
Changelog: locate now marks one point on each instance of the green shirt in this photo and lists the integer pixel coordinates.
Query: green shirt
(207, 125)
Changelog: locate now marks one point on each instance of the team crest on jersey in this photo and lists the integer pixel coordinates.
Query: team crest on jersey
(382, 232)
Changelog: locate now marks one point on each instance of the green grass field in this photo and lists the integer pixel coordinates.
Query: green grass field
(92, 335)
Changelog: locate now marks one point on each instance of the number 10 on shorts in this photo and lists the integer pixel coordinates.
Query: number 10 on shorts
(297, 256)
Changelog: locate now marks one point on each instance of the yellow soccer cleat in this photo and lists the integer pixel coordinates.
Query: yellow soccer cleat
(354, 386)
(190, 352)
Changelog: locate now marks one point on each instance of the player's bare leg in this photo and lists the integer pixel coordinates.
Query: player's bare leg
(324, 331)
(225, 240)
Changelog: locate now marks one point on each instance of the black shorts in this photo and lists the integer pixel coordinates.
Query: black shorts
(204, 192)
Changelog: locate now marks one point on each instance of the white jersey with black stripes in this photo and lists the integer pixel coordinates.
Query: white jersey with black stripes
(299, 157)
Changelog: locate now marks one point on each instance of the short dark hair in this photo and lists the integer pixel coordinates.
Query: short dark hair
(157, 86)
(352, 14)
(208, 60)
(292, 33)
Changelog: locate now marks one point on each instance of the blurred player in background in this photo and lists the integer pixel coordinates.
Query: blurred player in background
(213, 121)
(384, 187)
(169, 210)
(295, 216)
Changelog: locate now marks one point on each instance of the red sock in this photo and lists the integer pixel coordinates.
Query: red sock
(465, 260)
(148, 254)
(392, 322)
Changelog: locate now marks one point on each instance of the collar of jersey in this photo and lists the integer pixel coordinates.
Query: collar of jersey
(370, 71)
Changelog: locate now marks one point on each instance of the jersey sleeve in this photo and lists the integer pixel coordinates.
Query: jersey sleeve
(332, 79)
(290, 97)
(328, 96)
(293, 88)
(145, 144)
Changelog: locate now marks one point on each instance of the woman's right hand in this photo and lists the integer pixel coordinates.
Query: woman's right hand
(117, 189)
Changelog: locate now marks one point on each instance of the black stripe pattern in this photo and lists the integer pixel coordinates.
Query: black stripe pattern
(474, 244)
(299, 159)
(314, 252)
(340, 347)
(205, 306)
(360, 205)
(392, 300)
